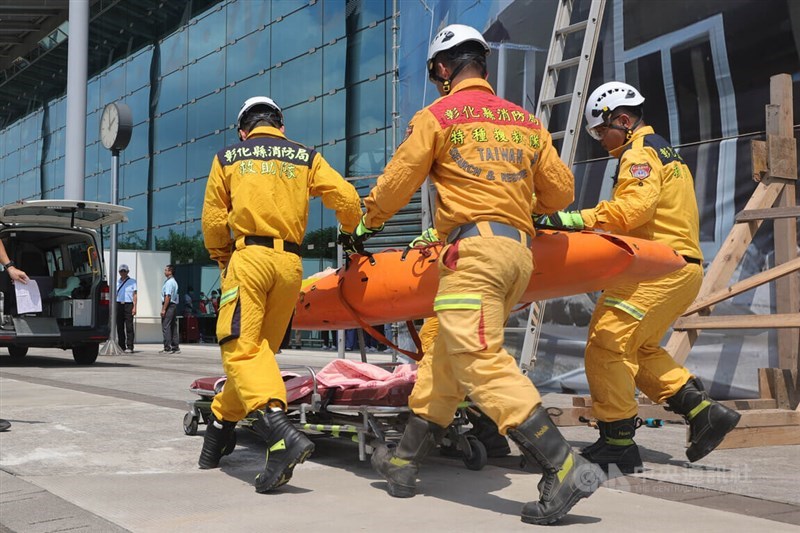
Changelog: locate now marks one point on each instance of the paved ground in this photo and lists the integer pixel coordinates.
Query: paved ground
(102, 448)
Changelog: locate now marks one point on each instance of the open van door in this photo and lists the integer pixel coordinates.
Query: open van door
(65, 213)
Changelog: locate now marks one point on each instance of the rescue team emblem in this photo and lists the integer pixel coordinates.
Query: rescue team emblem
(640, 171)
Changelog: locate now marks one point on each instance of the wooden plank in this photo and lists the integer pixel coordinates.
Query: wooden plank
(757, 437)
(765, 402)
(782, 156)
(758, 156)
(725, 262)
(744, 286)
(786, 320)
(768, 418)
(768, 214)
(781, 384)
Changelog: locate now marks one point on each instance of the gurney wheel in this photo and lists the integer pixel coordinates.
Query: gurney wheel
(476, 457)
(190, 422)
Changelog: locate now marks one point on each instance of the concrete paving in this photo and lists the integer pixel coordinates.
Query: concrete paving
(102, 448)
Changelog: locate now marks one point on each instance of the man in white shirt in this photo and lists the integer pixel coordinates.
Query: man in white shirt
(126, 309)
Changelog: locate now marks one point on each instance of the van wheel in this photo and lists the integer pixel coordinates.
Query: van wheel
(17, 352)
(85, 354)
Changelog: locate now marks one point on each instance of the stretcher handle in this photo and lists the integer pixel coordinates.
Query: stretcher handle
(379, 336)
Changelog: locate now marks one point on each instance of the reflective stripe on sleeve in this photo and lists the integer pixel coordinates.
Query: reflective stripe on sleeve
(457, 301)
(622, 305)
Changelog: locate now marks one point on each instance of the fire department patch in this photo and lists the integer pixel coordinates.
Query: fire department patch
(640, 171)
(409, 130)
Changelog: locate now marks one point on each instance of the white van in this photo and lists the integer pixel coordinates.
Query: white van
(57, 243)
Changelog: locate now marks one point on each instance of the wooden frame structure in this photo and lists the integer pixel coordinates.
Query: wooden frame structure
(774, 418)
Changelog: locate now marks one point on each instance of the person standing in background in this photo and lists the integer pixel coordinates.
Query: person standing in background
(169, 307)
(126, 309)
(16, 275)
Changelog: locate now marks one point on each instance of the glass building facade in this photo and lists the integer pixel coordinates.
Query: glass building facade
(703, 65)
(326, 63)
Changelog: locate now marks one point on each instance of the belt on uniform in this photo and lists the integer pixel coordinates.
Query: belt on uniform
(498, 230)
(269, 242)
(692, 260)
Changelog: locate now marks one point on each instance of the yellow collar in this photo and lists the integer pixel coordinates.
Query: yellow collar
(261, 131)
(641, 132)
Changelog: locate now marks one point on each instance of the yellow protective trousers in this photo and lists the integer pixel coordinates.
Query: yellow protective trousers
(480, 280)
(259, 291)
(624, 346)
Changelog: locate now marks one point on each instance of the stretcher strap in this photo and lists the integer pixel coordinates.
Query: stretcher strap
(380, 337)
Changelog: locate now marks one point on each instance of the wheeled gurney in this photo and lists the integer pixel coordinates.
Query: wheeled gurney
(352, 407)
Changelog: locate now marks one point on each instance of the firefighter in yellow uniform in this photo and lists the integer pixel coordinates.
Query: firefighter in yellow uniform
(486, 156)
(653, 198)
(254, 219)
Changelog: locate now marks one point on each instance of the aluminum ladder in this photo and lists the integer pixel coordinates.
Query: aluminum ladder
(575, 97)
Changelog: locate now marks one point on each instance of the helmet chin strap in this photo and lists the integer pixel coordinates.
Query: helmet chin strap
(446, 83)
(628, 131)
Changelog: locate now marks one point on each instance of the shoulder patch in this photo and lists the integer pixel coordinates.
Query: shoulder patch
(640, 171)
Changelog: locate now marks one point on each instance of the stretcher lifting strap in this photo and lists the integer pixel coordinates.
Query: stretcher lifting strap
(380, 337)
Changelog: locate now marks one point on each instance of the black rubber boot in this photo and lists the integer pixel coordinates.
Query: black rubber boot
(219, 440)
(615, 446)
(709, 421)
(567, 477)
(399, 464)
(286, 447)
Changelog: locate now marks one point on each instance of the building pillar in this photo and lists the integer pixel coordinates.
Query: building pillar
(77, 66)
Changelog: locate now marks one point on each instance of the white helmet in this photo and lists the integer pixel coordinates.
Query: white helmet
(452, 36)
(607, 98)
(254, 101)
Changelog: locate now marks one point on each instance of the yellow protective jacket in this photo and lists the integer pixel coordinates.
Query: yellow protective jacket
(653, 196)
(486, 157)
(261, 187)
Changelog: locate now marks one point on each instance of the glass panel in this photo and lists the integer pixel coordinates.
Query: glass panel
(206, 115)
(173, 52)
(90, 189)
(247, 56)
(92, 96)
(244, 16)
(235, 96)
(168, 206)
(29, 156)
(370, 109)
(201, 153)
(137, 219)
(367, 154)
(172, 91)
(11, 167)
(137, 148)
(133, 178)
(29, 185)
(11, 190)
(333, 63)
(93, 127)
(195, 192)
(207, 34)
(297, 80)
(170, 129)
(138, 70)
(169, 168)
(287, 41)
(139, 102)
(91, 158)
(333, 117)
(206, 75)
(30, 128)
(333, 21)
(304, 123)
(285, 7)
(372, 10)
(334, 154)
(112, 85)
(366, 53)
(104, 187)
